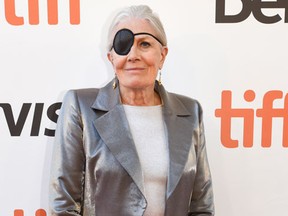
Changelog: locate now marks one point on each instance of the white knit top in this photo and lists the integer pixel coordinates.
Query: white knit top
(147, 129)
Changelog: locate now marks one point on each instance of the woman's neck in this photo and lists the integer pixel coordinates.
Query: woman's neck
(139, 97)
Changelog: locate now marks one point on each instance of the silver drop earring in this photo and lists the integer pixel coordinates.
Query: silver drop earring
(159, 78)
(115, 82)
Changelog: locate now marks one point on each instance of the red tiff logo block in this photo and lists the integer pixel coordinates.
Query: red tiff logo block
(33, 12)
(39, 212)
(266, 113)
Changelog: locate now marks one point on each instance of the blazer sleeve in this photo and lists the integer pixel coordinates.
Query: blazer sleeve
(202, 201)
(68, 161)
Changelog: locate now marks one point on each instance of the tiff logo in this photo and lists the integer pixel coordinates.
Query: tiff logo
(254, 6)
(266, 113)
(33, 12)
(39, 212)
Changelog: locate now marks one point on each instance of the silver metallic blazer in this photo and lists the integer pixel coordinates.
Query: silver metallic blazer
(96, 170)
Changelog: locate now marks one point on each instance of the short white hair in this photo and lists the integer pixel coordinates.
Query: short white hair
(140, 12)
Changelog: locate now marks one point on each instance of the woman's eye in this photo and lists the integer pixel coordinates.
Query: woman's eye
(145, 44)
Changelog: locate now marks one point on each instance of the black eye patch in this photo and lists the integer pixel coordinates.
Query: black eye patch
(124, 40)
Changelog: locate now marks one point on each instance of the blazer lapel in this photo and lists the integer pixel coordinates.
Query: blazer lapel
(179, 132)
(113, 129)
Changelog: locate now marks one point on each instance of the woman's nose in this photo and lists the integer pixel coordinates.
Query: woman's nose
(133, 55)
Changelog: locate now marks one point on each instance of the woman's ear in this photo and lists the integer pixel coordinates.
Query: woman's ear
(110, 57)
(164, 53)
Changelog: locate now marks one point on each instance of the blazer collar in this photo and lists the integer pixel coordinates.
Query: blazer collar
(113, 128)
(108, 98)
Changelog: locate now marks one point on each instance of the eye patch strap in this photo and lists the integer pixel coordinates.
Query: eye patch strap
(145, 33)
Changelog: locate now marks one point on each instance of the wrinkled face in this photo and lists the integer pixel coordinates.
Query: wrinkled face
(139, 68)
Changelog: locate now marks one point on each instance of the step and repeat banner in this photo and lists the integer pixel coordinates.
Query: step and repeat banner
(231, 55)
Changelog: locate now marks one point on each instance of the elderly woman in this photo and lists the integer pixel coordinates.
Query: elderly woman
(131, 148)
